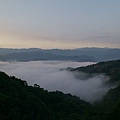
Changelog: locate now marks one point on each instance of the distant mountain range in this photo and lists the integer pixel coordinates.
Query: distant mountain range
(80, 54)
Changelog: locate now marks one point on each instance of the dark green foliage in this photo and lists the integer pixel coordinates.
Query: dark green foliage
(110, 68)
(21, 102)
(108, 108)
(18, 101)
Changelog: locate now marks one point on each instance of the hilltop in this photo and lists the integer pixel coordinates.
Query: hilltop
(109, 68)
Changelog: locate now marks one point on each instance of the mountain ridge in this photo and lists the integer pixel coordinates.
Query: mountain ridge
(37, 55)
(98, 54)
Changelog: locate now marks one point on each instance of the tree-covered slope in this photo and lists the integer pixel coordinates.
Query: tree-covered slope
(109, 107)
(110, 68)
(18, 101)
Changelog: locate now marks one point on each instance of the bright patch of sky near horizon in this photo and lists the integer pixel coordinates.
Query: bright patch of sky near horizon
(59, 23)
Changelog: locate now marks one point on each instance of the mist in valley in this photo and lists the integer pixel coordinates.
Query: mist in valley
(49, 76)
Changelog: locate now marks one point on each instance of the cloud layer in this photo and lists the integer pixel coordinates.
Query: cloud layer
(49, 76)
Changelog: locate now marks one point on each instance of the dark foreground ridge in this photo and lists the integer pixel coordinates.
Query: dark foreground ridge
(18, 101)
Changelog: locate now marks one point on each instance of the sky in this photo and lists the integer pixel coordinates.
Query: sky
(65, 24)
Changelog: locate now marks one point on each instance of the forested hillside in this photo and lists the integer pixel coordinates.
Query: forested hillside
(109, 68)
(18, 101)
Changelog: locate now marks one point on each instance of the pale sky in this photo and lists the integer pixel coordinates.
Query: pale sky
(59, 23)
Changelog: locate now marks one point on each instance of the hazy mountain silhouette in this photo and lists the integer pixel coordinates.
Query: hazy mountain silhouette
(80, 54)
(37, 55)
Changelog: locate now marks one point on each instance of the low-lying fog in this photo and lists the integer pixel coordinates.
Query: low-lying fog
(49, 76)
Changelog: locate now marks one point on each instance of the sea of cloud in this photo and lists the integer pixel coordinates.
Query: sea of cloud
(49, 76)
